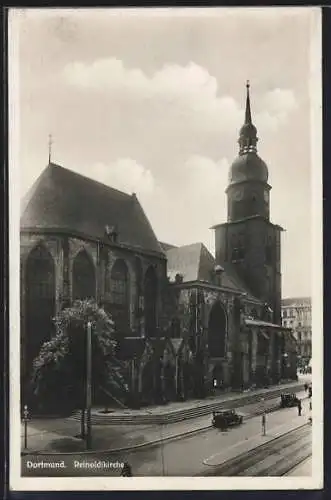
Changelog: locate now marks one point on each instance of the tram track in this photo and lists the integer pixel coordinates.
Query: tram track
(274, 458)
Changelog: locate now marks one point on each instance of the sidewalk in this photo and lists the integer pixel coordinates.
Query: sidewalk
(98, 415)
(57, 435)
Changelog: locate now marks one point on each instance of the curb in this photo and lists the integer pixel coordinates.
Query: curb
(242, 454)
(149, 444)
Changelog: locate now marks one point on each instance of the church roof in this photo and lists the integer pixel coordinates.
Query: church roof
(195, 263)
(166, 246)
(63, 200)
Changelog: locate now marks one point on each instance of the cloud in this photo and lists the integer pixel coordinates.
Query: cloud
(190, 89)
(124, 174)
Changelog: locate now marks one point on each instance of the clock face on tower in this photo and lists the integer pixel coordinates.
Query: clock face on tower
(238, 194)
(266, 196)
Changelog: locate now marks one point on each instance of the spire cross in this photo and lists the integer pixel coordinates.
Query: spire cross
(50, 143)
(248, 116)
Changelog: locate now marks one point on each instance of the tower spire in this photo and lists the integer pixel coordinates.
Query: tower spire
(248, 114)
(248, 133)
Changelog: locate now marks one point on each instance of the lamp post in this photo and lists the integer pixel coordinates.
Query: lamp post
(285, 363)
(88, 385)
(25, 421)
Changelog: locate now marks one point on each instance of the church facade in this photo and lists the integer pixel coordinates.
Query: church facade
(187, 323)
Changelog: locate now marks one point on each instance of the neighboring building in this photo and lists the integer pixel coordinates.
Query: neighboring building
(186, 322)
(296, 314)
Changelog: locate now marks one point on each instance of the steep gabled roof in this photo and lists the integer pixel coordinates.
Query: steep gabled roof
(63, 200)
(185, 260)
(195, 263)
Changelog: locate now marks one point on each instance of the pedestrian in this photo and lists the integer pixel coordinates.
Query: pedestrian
(126, 471)
(263, 424)
(299, 408)
(306, 387)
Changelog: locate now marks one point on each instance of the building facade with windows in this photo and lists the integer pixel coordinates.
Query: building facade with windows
(187, 323)
(296, 314)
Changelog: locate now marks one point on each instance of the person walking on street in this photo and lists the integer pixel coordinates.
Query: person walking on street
(306, 387)
(263, 424)
(126, 471)
(299, 408)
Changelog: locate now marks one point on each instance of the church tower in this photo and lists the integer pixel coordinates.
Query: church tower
(248, 240)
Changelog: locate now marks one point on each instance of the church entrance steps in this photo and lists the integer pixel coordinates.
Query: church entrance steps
(177, 412)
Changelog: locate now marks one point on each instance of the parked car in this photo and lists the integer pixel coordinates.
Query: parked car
(288, 400)
(226, 418)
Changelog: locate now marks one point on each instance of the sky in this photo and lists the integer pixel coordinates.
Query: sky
(152, 101)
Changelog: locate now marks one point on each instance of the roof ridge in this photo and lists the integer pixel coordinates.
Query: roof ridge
(90, 179)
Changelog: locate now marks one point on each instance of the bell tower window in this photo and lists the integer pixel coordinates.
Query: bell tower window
(238, 250)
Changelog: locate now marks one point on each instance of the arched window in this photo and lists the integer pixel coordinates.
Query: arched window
(119, 283)
(150, 299)
(217, 331)
(83, 280)
(120, 296)
(40, 301)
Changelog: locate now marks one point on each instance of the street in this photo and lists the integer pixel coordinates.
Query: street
(181, 457)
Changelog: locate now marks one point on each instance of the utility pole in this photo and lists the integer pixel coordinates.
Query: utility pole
(88, 385)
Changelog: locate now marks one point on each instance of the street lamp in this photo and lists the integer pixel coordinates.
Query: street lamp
(285, 363)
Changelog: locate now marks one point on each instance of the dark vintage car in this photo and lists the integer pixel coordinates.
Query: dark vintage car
(288, 400)
(226, 418)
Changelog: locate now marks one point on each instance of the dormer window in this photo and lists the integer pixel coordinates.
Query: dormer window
(111, 233)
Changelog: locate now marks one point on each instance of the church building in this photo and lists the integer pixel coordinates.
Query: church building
(187, 323)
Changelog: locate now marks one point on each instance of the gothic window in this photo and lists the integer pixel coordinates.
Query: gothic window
(139, 294)
(150, 301)
(40, 301)
(138, 271)
(119, 295)
(83, 277)
(119, 283)
(217, 331)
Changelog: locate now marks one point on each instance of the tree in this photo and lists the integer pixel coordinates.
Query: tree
(59, 370)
